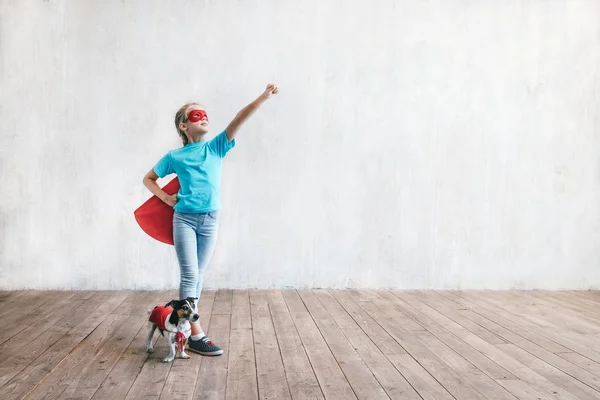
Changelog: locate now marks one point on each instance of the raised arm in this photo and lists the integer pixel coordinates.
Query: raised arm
(247, 111)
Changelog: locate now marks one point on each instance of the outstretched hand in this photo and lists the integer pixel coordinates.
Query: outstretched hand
(247, 111)
(270, 91)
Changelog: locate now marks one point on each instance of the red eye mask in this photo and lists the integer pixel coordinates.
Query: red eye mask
(196, 115)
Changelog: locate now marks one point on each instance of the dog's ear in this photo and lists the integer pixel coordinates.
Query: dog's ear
(171, 303)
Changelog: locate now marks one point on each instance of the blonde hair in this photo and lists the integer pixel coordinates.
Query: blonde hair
(181, 116)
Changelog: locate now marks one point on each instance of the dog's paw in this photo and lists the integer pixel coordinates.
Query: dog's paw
(167, 360)
(184, 356)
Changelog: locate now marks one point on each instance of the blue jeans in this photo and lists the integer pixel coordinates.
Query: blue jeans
(195, 237)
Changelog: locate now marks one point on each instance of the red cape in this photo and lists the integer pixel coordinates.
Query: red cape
(159, 317)
(155, 217)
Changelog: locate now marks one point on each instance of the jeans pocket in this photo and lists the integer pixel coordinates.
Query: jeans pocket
(213, 215)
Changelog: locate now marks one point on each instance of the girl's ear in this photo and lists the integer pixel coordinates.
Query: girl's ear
(182, 126)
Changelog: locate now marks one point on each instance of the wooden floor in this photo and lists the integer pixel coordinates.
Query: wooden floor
(307, 345)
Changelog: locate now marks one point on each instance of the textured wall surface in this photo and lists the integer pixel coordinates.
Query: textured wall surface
(414, 144)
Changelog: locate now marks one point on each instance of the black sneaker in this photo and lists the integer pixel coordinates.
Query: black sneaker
(204, 346)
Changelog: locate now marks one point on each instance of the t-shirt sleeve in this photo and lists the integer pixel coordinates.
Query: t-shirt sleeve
(164, 166)
(221, 145)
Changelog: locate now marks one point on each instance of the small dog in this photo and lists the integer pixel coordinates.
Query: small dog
(173, 322)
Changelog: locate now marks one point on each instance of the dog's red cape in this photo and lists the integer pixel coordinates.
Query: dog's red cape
(155, 217)
(159, 317)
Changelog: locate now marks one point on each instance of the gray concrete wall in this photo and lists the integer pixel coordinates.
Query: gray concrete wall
(414, 144)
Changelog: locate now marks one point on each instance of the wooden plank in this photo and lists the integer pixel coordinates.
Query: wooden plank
(565, 366)
(452, 340)
(241, 376)
(211, 382)
(327, 370)
(240, 310)
(150, 381)
(568, 386)
(223, 302)
(556, 312)
(493, 310)
(587, 366)
(11, 297)
(394, 384)
(125, 371)
(582, 362)
(444, 316)
(513, 366)
(566, 300)
(358, 295)
(21, 304)
(535, 311)
(85, 380)
(84, 294)
(42, 309)
(537, 350)
(521, 390)
(6, 296)
(543, 345)
(427, 387)
(384, 313)
(581, 308)
(503, 326)
(81, 324)
(300, 376)
(142, 302)
(183, 375)
(578, 304)
(444, 306)
(272, 382)
(482, 382)
(590, 296)
(360, 377)
(408, 323)
(55, 383)
(378, 335)
(552, 333)
(19, 351)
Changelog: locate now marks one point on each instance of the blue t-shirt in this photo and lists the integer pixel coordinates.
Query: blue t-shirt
(198, 167)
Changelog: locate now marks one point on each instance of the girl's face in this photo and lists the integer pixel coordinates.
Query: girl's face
(195, 121)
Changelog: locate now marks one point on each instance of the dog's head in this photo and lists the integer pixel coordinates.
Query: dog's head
(185, 308)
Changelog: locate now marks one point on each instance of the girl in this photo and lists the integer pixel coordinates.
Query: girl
(197, 204)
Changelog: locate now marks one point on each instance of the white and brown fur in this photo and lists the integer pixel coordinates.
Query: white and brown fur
(184, 311)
